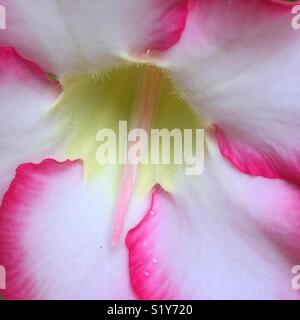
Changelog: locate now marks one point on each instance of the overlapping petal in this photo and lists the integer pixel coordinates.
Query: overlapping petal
(226, 235)
(26, 131)
(66, 36)
(55, 235)
(239, 64)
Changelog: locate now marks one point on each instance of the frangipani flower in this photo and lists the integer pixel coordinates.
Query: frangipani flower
(230, 67)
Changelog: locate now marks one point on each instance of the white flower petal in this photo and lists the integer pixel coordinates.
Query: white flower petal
(26, 131)
(239, 63)
(66, 36)
(56, 235)
(226, 235)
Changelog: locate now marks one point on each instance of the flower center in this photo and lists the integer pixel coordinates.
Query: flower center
(145, 97)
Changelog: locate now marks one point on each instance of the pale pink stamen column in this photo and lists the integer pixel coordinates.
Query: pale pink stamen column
(146, 101)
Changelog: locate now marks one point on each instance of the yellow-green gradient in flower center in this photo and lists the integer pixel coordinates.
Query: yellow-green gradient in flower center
(93, 102)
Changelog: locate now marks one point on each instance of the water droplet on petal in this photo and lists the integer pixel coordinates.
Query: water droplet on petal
(146, 273)
(152, 212)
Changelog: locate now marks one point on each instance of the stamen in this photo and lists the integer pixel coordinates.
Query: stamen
(146, 102)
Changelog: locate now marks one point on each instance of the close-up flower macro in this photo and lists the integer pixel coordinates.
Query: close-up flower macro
(150, 149)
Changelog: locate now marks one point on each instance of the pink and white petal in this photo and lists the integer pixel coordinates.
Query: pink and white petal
(63, 36)
(225, 236)
(55, 235)
(26, 96)
(239, 61)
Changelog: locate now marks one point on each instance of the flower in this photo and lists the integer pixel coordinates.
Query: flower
(232, 232)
